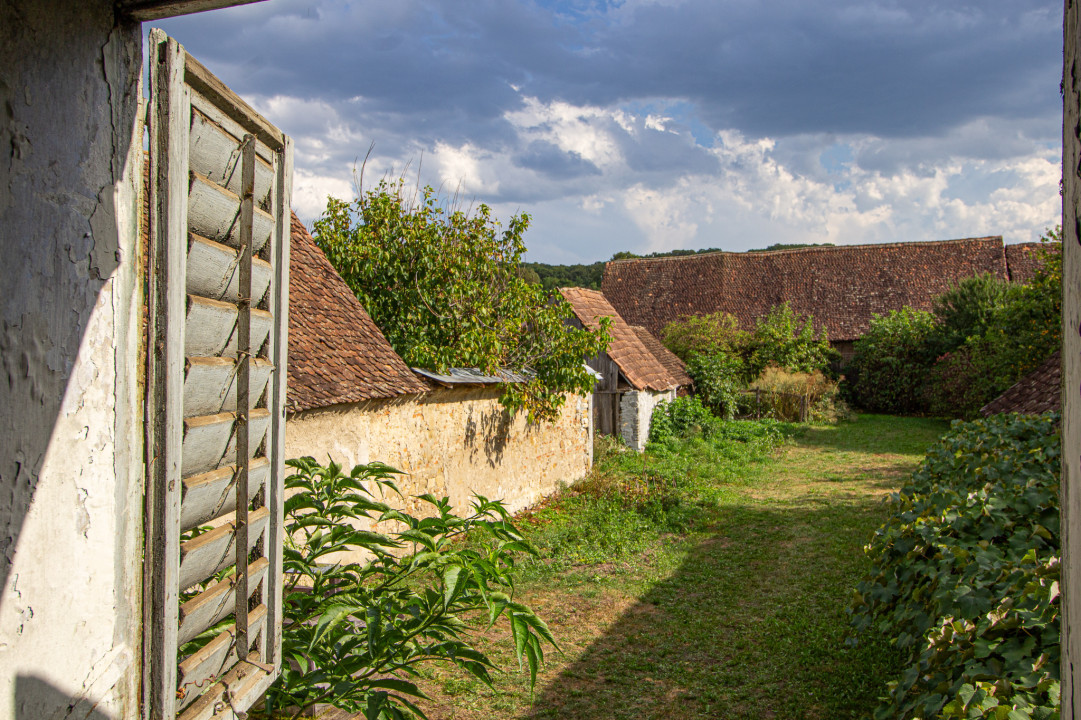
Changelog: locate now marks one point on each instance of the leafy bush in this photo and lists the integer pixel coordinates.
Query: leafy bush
(705, 335)
(787, 340)
(356, 631)
(783, 394)
(446, 289)
(890, 366)
(718, 378)
(968, 309)
(965, 575)
(682, 418)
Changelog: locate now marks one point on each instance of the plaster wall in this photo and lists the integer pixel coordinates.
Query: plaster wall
(70, 403)
(635, 411)
(453, 443)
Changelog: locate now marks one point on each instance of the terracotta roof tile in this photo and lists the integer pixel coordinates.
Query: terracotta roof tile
(676, 367)
(642, 370)
(336, 353)
(1037, 392)
(1023, 260)
(840, 286)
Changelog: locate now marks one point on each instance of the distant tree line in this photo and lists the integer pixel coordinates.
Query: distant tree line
(589, 276)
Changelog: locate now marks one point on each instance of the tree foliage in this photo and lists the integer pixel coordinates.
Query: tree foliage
(889, 369)
(968, 309)
(717, 332)
(785, 339)
(357, 632)
(445, 287)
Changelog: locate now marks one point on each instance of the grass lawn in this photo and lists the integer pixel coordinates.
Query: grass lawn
(719, 592)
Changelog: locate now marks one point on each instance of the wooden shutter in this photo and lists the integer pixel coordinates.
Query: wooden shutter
(218, 280)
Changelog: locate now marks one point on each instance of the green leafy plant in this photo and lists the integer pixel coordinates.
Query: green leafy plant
(1003, 341)
(711, 334)
(365, 608)
(889, 369)
(446, 288)
(718, 378)
(968, 309)
(680, 418)
(965, 576)
(785, 339)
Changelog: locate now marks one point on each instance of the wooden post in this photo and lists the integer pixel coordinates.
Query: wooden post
(243, 394)
(1070, 500)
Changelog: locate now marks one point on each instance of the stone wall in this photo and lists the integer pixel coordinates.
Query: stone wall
(453, 443)
(635, 410)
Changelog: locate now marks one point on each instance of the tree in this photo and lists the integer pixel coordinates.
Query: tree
(704, 334)
(892, 360)
(785, 339)
(445, 288)
(968, 309)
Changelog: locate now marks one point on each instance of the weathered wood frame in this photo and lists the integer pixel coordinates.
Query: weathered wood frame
(175, 77)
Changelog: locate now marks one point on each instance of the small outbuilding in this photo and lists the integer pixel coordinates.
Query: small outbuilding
(633, 379)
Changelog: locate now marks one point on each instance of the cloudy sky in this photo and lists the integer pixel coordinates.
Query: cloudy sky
(649, 125)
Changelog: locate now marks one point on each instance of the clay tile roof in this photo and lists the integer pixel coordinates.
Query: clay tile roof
(336, 353)
(1023, 260)
(842, 286)
(675, 367)
(642, 370)
(1037, 392)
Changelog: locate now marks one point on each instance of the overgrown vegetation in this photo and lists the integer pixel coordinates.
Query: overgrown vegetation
(984, 335)
(892, 360)
(783, 357)
(965, 576)
(366, 610)
(445, 288)
(705, 579)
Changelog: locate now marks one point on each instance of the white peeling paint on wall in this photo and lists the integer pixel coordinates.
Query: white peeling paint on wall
(70, 400)
(635, 411)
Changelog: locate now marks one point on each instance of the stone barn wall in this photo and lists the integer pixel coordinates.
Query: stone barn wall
(452, 442)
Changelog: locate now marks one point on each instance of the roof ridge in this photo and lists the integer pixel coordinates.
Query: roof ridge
(812, 248)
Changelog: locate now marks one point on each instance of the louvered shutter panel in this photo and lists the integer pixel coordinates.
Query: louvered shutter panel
(218, 280)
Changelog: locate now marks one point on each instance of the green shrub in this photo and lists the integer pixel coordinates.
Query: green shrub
(681, 418)
(356, 631)
(1002, 342)
(705, 335)
(965, 575)
(785, 339)
(718, 378)
(968, 309)
(889, 369)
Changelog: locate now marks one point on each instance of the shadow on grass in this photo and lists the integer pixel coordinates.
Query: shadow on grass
(752, 624)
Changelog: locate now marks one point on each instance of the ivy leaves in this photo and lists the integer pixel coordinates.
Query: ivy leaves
(965, 575)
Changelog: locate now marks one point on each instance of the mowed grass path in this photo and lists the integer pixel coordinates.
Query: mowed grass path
(741, 616)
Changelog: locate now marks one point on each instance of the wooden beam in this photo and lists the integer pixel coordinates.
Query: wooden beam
(147, 10)
(1070, 491)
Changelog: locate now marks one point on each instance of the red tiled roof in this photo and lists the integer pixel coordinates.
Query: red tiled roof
(842, 287)
(1037, 392)
(336, 353)
(675, 367)
(1023, 260)
(642, 370)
